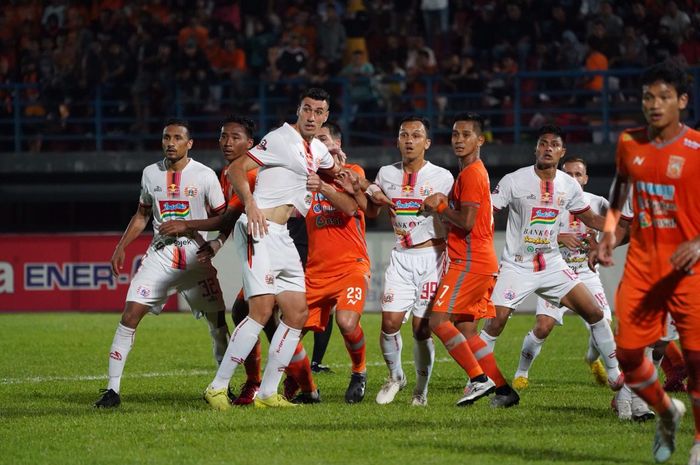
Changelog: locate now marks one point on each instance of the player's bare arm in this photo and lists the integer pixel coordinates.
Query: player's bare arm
(340, 200)
(592, 219)
(570, 241)
(686, 255)
(608, 241)
(237, 176)
(136, 226)
(350, 181)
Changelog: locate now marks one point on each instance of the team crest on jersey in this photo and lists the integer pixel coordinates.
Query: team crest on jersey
(425, 190)
(561, 199)
(262, 145)
(496, 189)
(509, 294)
(174, 209)
(675, 166)
(644, 219)
(173, 189)
(317, 208)
(269, 279)
(190, 191)
(543, 215)
(307, 200)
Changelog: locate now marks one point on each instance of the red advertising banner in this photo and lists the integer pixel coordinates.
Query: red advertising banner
(66, 272)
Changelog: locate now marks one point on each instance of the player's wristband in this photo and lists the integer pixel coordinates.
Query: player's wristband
(372, 189)
(611, 220)
(441, 207)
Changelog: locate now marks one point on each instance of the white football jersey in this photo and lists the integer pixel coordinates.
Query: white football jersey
(286, 160)
(578, 259)
(180, 195)
(407, 192)
(535, 211)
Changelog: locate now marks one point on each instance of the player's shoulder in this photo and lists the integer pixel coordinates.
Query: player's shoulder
(596, 202)
(200, 168)
(437, 171)
(520, 174)
(155, 168)
(317, 146)
(566, 180)
(356, 168)
(394, 168)
(637, 135)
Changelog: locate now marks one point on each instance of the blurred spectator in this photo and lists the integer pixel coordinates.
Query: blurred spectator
(193, 77)
(331, 39)
(57, 9)
(612, 23)
(633, 53)
(193, 31)
(145, 52)
(602, 41)
(228, 66)
(292, 59)
(263, 37)
(676, 21)
(595, 61)
(690, 47)
(421, 85)
(436, 17)
(641, 20)
(662, 46)
(517, 30)
(356, 26)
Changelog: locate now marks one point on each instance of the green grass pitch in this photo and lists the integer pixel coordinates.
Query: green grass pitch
(52, 366)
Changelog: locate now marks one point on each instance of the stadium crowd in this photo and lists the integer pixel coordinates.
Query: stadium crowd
(144, 56)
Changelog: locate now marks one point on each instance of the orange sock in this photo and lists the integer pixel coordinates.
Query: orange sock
(673, 354)
(486, 359)
(458, 348)
(300, 369)
(252, 364)
(643, 379)
(355, 343)
(692, 358)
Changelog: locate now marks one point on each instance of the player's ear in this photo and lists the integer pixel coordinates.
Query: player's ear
(427, 143)
(682, 101)
(250, 144)
(189, 144)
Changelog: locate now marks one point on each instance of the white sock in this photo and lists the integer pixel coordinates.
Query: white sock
(391, 345)
(605, 343)
(592, 353)
(424, 357)
(243, 339)
(219, 342)
(282, 347)
(121, 346)
(488, 339)
(532, 346)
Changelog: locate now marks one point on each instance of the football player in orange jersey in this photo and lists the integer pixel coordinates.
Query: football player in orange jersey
(464, 293)
(660, 161)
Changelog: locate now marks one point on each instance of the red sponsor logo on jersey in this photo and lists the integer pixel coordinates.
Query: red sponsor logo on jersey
(115, 355)
(543, 215)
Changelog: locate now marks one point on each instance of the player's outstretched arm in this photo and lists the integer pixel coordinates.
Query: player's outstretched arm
(136, 226)
(340, 200)
(223, 222)
(351, 182)
(237, 176)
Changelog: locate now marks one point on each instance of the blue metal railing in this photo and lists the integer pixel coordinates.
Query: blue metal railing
(101, 123)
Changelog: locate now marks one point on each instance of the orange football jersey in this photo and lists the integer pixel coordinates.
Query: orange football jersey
(666, 199)
(229, 193)
(336, 241)
(474, 251)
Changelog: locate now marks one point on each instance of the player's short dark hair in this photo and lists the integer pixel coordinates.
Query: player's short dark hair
(575, 160)
(316, 93)
(551, 129)
(475, 118)
(334, 129)
(179, 122)
(247, 124)
(421, 119)
(669, 72)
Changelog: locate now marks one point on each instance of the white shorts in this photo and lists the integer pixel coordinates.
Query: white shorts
(412, 278)
(169, 266)
(271, 264)
(592, 282)
(515, 284)
(671, 330)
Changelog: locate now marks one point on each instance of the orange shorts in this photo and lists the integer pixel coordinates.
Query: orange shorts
(641, 311)
(464, 293)
(345, 292)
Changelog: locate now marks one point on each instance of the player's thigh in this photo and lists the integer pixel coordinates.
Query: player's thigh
(545, 308)
(595, 287)
(352, 291)
(560, 289)
(640, 321)
(200, 287)
(400, 293)
(320, 299)
(684, 307)
(513, 286)
(461, 292)
(152, 282)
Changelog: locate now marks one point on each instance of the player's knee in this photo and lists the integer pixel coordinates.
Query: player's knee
(346, 323)
(630, 359)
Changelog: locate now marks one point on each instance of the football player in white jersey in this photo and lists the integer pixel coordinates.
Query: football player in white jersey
(177, 187)
(537, 196)
(574, 244)
(288, 159)
(417, 260)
